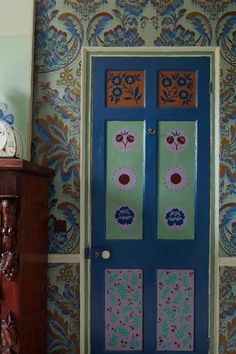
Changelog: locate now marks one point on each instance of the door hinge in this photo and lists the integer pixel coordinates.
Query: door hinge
(87, 253)
(210, 87)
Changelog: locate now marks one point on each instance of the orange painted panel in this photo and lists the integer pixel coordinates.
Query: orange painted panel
(177, 89)
(125, 88)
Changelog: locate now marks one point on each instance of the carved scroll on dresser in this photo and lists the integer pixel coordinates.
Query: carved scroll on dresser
(9, 265)
(8, 335)
(9, 262)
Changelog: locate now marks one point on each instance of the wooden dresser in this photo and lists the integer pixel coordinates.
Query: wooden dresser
(23, 256)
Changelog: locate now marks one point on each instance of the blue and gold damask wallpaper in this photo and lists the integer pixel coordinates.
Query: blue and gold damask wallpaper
(62, 28)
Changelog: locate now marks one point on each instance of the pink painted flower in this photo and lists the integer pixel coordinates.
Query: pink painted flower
(124, 140)
(124, 179)
(175, 179)
(176, 140)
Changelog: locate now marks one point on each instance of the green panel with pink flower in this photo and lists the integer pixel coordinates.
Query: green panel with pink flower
(176, 179)
(124, 184)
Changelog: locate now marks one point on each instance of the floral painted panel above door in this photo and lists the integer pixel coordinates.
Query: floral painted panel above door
(177, 89)
(176, 179)
(124, 187)
(125, 88)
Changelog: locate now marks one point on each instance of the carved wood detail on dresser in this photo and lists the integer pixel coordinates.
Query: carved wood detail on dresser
(23, 256)
(9, 261)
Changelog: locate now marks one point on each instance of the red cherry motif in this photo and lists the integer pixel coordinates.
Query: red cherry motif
(119, 138)
(176, 140)
(170, 139)
(124, 139)
(130, 138)
(181, 139)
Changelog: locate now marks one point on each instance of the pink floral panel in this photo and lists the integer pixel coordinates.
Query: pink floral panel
(124, 309)
(175, 310)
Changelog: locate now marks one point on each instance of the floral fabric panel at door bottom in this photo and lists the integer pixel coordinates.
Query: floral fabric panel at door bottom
(175, 310)
(123, 309)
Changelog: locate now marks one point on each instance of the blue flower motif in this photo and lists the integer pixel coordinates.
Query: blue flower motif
(44, 5)
(41, 40)
(8, 118)
(119, 37)
(181, 81)
(166, 82)
(129, 79)
(175, 216)
(183, 36)
(116, 80)
(124, 216)
(52, 45)
(183, 94)
(179, 37)
(167, 6)
(117, 92)
(134, 7)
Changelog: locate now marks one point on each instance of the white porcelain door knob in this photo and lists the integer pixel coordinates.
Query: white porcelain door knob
(106, 254)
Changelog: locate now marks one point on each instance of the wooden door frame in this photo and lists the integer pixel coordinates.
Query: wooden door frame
(85, 172)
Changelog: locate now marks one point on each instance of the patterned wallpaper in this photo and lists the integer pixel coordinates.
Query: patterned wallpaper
(227, 310)
(63, 308)
(62, 28)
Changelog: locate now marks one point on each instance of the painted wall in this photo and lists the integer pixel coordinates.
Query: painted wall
(16, 41)
(16, 18)
(62, 28)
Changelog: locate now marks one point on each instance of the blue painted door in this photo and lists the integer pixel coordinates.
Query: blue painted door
(150, 205)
